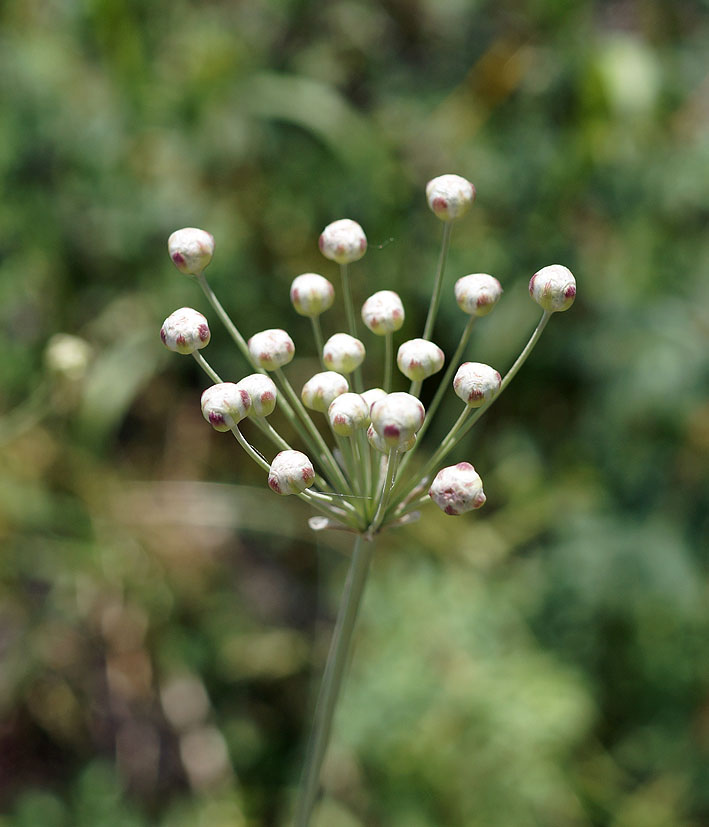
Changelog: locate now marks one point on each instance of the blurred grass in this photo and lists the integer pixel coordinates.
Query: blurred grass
(541, 663)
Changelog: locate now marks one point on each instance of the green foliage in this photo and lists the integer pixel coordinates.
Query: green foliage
(539, 663)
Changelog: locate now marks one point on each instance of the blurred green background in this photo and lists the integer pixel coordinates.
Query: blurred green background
(162, 615)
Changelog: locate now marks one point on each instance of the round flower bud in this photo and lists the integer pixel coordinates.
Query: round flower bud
(263, 393)
(457, 489)
(476, 383)
(477, 293)
(311, 294)
(373, 395)
(397, 418)
(348, 413)
(191, 250)
(450, 196)
(380, 444)
(553, 288)
(343, 241)
(185, 331)
(67, 356)
(291, 472)
(418, 359)
(271, 349)
(320, 390)
(225, 405)
(343, 353)
(383, 312)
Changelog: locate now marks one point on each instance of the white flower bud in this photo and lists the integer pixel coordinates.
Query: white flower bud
(476, 383)
(320, 390)
(373, 395)
(343, 353)
(383, 312)
(311, 294)
(291, 472)
(450, 196)
(457, 489)
(343, 241)
(271, 349)
(397, 418)
(225, 405)
(418, 359)
(191, 250)
(348, 413)
(380, 444)
(263, 393)
(67, 356)
(185, 331)
(477, 293)
(553, 288)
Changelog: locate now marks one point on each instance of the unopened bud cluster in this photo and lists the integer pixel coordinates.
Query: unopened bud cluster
(363, 477)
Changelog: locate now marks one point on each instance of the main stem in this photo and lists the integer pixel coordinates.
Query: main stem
(337, 659)
(436, 296)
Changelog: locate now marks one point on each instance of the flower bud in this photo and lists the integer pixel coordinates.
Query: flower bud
(476, 383)
(225, 405)
(311, 294)
(397, 418)
(291, 472)
(348, 413)
(553, 288)
(185, 331)
(343, 353)
(320, 390)
(67, 356)
(271, 349)
(477, 293)
(191, 250)
(418, 359)
(343, 241)
(457, 489)
(450, 196)
(383, 312)
(263, 393)
(380, 444)
(373, 395)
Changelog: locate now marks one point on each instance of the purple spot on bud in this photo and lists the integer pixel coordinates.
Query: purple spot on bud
(362, 245)
(180, 340)
(289, 347)
(482, 301)
(307, 474)
(321, 242)
(273, 485)
(392, 431)
(440, 203)
(464, 466)
(264, 356)
(450, 510)
(570, 292)
(245, 398)
(531, 285)
(216, 418)
(203, 332)
(178, 258)
(339, 419)
(474, 395)
(163, 335)
(295, 295)
(266, 396)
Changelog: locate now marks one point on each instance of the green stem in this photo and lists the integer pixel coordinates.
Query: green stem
(206, 367)
(388, 360)
(351, 320)
(438, 282)
(337, 660)
(392, 462)
(317, 335)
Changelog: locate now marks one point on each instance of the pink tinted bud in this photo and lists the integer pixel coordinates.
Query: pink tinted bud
(320, 390)
(343, 353)
(477, 293)
(397, 418)
(553, 288)
(476, 383)
(348, 413)
(291, 472)
(457, 489)
(185, 331)
(383, 312)
(225, 405)
(380, 444)
(311, 294)
(373, 395)
(271, 349)
(418, 359)
(263, 393)
(191, 250)
(450, 196)
(343, 241)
